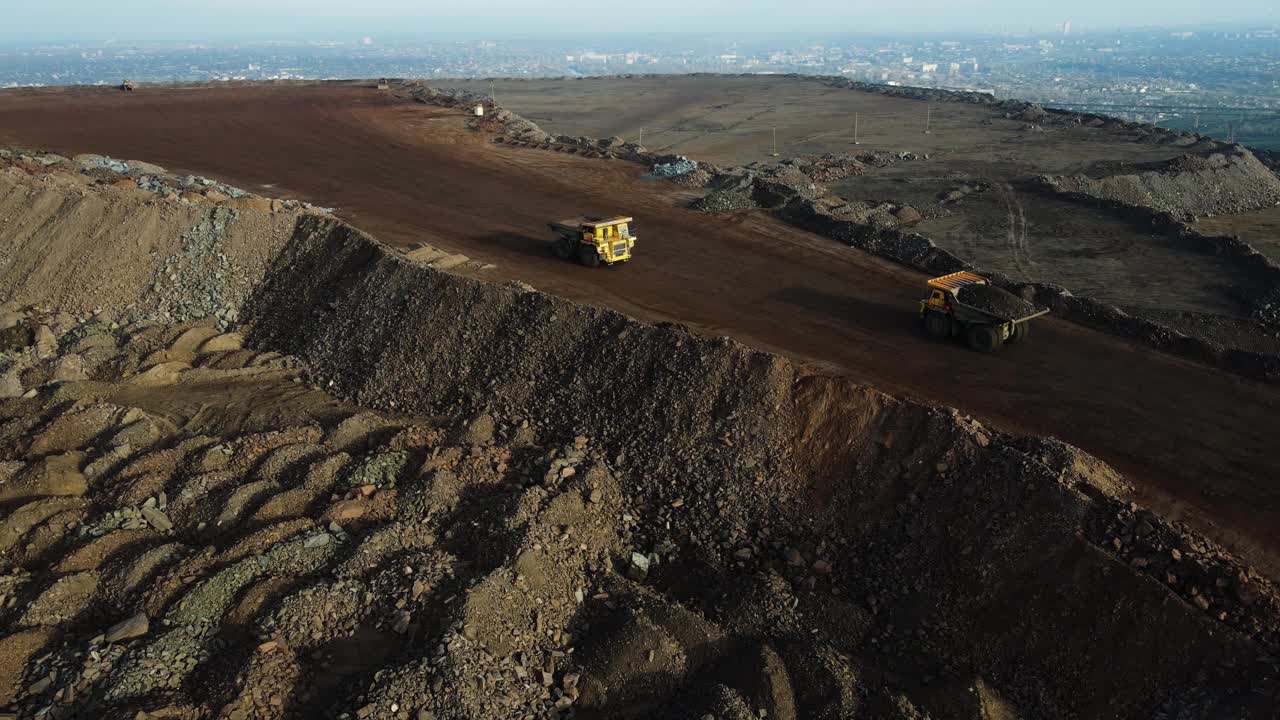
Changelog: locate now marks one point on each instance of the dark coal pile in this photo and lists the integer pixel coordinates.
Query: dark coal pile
(994, 301)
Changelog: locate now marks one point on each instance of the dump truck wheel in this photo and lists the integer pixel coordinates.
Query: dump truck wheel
(588, 256)
(984, 338)
(564, 250)
(1018, 333)
(937, 325)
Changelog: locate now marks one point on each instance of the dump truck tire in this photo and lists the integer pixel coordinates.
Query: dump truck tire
(588, 256)
(564, 250)
(1018, 333)
(983, 338)
(937, 325)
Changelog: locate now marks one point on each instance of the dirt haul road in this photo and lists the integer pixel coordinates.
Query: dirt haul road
(1198, 444)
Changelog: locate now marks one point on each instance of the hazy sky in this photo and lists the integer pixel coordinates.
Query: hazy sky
(98, 20)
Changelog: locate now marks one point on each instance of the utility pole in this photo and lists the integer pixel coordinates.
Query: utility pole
(928, 119)
(493, 96)
(641, 143)
(855, 129)
(775, 141)
(1231, 134)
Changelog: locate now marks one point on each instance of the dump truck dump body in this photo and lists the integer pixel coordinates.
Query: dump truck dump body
(965, 304)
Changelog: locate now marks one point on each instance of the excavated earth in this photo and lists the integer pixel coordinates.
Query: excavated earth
(359, 507)
(412, 174)
(356, 486)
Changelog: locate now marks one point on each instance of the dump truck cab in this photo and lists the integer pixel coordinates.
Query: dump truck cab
(593, 240)
(965, 304)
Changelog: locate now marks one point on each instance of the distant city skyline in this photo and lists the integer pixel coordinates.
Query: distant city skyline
(87, 21)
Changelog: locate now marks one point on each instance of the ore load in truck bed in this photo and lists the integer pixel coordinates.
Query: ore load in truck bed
(994, 301)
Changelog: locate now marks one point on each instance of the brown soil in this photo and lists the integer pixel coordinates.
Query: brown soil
(729, 121)
(394, 167)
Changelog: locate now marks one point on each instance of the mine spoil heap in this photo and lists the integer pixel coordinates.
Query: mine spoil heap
(384, 493)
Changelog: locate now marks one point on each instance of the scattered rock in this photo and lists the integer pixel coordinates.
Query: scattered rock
(135, 626)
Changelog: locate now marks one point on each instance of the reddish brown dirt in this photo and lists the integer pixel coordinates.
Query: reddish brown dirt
(1199, 444)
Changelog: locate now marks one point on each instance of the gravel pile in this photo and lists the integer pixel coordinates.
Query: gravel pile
(697, 179)
(832, 167)
(720, 201)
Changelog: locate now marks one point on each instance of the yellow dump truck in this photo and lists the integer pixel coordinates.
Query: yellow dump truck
(964, 304)
(595, 240)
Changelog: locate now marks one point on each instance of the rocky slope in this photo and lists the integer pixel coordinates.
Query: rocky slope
(409, 494)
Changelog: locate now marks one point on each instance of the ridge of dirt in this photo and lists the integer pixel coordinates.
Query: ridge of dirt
(1190, 186)
(713, 429)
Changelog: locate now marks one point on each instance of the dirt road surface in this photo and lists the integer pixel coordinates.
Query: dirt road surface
(1199, 444)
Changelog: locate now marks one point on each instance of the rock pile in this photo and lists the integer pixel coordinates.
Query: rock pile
(669, 170)
(995, 301)
(721, 201)
(832, 167)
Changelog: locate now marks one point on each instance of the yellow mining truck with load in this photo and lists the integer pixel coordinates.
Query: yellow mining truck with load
(594, 240)
(964, 304)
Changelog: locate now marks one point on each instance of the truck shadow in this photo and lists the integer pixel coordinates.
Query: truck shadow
(879, 317)
(522, 244)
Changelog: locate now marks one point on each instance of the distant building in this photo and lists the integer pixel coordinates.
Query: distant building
(954, 68)
(1066, 28)
(929, 68)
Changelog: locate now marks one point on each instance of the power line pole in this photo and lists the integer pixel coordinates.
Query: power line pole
(775, 141)
(928, 119)
(641, 143)
(855, 129)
